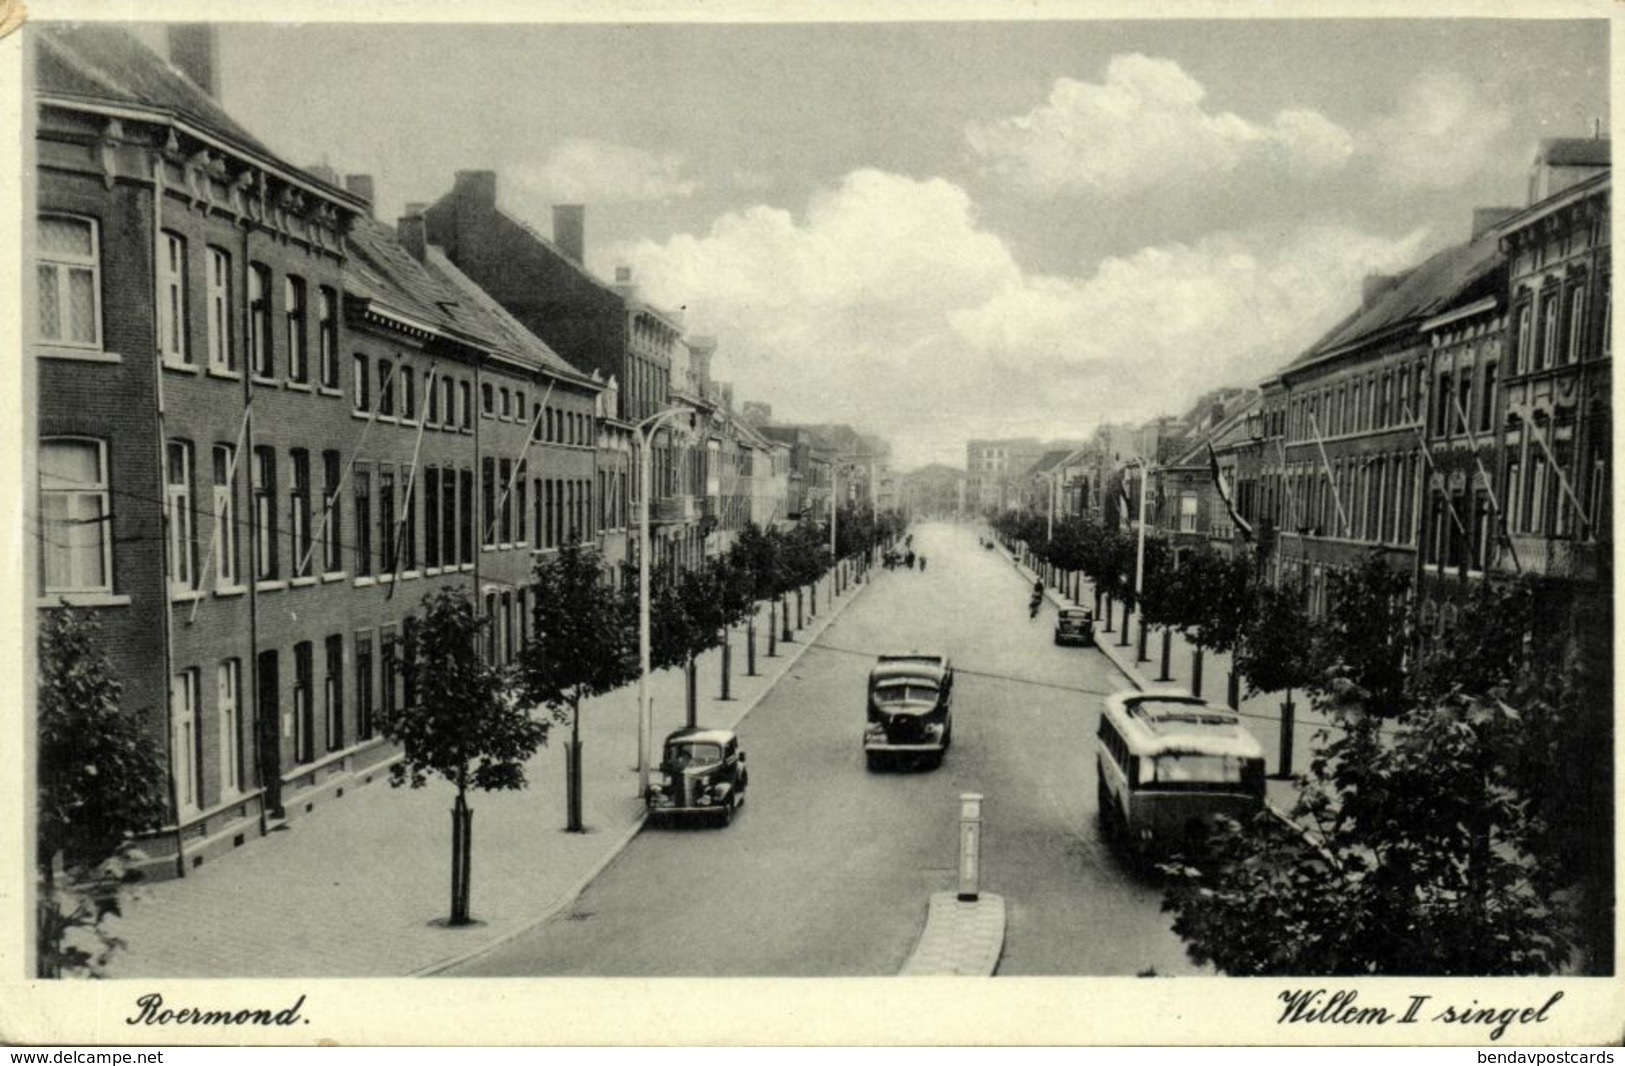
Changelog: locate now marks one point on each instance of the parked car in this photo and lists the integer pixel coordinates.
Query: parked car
(1075, 625)
(702, 774)
(910, 709)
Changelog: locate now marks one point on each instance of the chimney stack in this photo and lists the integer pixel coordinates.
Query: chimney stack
(410, 231)
(194, 49)
(361, 185)
(570, 231)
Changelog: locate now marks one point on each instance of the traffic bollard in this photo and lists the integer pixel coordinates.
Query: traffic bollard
(970, 846)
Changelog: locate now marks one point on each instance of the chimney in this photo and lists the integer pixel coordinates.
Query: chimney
(194, 50)
(478, 188)
(361, 186)
(1374, 286)
(1487, 218)
(570, 231)
(410, 231)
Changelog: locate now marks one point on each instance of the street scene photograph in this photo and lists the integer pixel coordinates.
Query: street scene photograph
(1019, 497)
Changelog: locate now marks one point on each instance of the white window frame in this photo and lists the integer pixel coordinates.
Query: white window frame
(228, 710)
(180, 516)
(261, 360)
(217, 286)
(187, 769)
(62, 266)
(295, 319)
(172, 339)
(1187, 512)
(225, 515)
(299, 514)
(64, 536)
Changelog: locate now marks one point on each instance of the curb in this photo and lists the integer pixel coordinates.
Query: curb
(961, 939)
(568, 897)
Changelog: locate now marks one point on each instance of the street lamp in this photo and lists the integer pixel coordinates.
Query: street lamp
(646, 430)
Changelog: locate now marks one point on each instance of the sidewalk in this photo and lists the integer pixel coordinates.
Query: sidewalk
(1262, 711)
(354, 888)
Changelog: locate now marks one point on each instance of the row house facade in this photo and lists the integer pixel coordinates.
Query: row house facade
(267, 427)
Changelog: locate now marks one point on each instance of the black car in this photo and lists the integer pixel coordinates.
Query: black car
(910, 709)
(702, 774)
(1075, 625)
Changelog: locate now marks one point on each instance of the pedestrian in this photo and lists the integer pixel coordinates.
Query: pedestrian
(922, 564)
(909, 559)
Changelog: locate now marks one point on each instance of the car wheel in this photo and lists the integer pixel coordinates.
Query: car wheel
(872, 758)
(728, 811)
(1057, 640)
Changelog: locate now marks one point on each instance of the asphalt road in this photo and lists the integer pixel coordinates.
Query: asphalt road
(827, 868)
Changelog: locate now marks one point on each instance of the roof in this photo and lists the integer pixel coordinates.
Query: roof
(480, 304)
(1176, 722)
(1049, 461)
(1575, 152)
(103, 62)
(385, 274)
(701, 735)
(1437, 283)
(1219, 435)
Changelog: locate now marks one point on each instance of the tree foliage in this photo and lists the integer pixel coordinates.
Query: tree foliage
(1360, 644)
(1209, 597)
(1415, 849)
(1277, 640)
(582, 641)
(466, 724)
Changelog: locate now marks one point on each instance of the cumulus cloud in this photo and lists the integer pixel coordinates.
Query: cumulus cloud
(1441, 134)
(1145, 126)
(884, 304)
(583, 170)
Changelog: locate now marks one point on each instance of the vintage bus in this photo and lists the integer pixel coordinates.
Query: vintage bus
(1167, 763)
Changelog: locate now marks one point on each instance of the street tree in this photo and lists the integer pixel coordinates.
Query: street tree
(101, 783)
(1211, 601)
(581, 646)
(1274, 654)
(757, 552)
(1412, 849)
(464, 724)
(1360, 644)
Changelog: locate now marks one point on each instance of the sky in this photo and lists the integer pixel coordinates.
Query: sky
(940, 231)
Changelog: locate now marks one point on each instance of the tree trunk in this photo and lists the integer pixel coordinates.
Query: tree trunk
(691, 689)
(1123, 636)
(801, 622)
(812, 590)
(1167, 655)
(727, 664)
(1196, 671)
(1141, 656)
(1289, 723)
(750, 644)
(1110, 610)
(772, 628)
(1233, 690)
(572, 772)
(462, 850)
(784, 616)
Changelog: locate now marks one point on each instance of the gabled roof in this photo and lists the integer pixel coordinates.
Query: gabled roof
(1440, 281)
(480, 304)
(101, 62)
(1196, 453)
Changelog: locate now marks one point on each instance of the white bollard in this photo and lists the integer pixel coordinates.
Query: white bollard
(970, 846)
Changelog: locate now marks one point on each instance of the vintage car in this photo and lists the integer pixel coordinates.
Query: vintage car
(1075, 625)
(702, 773)
(910, 713)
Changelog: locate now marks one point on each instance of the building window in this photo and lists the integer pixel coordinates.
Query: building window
(1523, 359)
(178, 515)
(363, 685)
(506, 473)
(332, 525)
(362, 383)
(1597, 497)
(304, 713)
(264, 513)
(488, 494)
(465, 535)
(409, 662)
(363, 520)
(225, 515)
(1577, 322)
(293, 297)
(299, 511)
(519, 404)
(409, 394)
(228, 709)
(388, 651)
(187, 752)
(431, 516)
(1464, 400)
(448, 517)
(259, 319)
(1486, 399)
(69, 273)
(466, 404)
(1536, 522)
(409, 524)
(519, 484)
(448, 397)
(1441, 416)
(386, 388)
(1514, 497)
(487, 399)
(386, 519)
(333, 693)
(1547, 353)
(507, 403)
(172, 300)
(76, 541)
(327, 335)
(217, 287)
(431, 400)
